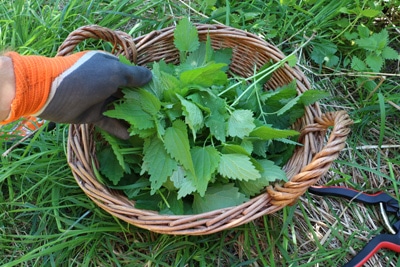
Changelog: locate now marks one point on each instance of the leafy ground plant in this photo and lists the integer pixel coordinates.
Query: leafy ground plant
(202, 141)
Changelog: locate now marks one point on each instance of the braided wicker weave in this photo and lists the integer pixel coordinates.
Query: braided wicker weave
(308, 163)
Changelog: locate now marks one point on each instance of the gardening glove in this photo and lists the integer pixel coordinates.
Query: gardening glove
(72, 89)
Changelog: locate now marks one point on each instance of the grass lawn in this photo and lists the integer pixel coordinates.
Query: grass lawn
(47, 220)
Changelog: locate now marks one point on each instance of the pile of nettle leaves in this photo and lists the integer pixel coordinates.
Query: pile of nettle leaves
(201, 140)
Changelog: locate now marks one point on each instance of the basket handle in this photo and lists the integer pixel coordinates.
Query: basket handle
(289, 193)
(122, 42)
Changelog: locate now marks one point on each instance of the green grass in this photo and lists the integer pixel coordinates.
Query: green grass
(47, 220)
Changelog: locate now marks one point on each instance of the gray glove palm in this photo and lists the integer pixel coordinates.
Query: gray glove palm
(82, 93)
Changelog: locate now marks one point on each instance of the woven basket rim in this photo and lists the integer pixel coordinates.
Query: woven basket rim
(307, 170)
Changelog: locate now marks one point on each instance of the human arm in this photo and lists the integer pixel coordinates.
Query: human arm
(7, 86)
(71, 89)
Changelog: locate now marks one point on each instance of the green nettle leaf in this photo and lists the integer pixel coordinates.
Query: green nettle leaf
(209, 51)
(265, 79)
(247, 145)
(223, 56)
(370, 13)
(381, 38)
(237, 167)
(374, 43)
(116, 145)
(290, 104)
(124, 60)
(390, 53)
(199, 100)
(288, 141)
(369, 43)
(132, 190)
(157, 162)
(206, 160)
(357, 64)
(131, 95)
(215, 121)
(146, 201)
(178, 177)
(149, 102)
(186, 188)
(182, 182)
(138, 117)
(235, 149)
(218, 197)
(162, 81)
(363, 31)
(248, 98)
(160, 128)
(206, 76)
(268, 133)
(252, 188)
(375, 62)
(260, 148)
(109, 165)
(311, 96)
(193, 115)
(185, 36)
(142, 133)
(273, 100)
(174, 86)
(176, 143)
(132, 111)
(194, 60)
(241, 123)
(284, 100)
(270, 173)
(176, 205)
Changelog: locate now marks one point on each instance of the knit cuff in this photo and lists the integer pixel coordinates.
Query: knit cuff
(33, 79)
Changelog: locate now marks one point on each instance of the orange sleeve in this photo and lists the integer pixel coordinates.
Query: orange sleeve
(33, 78)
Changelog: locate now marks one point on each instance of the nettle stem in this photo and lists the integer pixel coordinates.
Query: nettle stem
(291, 59)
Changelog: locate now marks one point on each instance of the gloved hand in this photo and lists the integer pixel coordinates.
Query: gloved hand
(72, 89)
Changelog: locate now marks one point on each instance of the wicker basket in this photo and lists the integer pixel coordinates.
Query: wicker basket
(308, 163)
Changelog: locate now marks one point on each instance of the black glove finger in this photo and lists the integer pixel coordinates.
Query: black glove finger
(115, 127)
(122, 74)
(103, 71)
(94, 114)
(135, 76)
